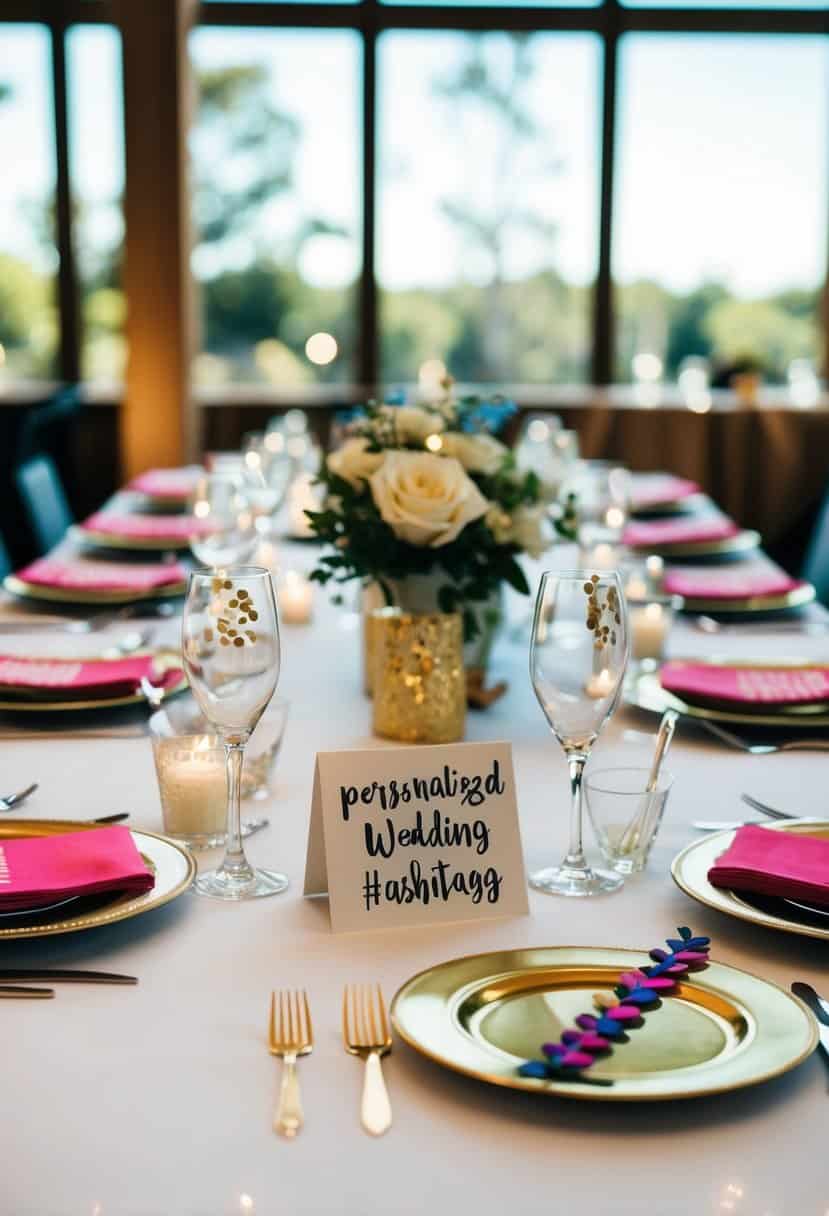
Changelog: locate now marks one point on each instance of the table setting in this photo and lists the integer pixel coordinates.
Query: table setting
(523, 998)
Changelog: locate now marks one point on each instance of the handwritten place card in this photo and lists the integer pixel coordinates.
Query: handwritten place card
(416, 836)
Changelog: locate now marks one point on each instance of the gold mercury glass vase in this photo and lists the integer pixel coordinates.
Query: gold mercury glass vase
(418, 676)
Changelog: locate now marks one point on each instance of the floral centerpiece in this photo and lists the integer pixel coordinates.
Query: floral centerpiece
(427, 503)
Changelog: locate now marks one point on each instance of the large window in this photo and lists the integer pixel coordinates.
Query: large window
(526, 194)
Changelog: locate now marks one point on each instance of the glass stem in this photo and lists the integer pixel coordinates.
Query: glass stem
(575, 859)
(235, 863)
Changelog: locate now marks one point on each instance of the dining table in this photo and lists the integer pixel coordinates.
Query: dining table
(159, 1099)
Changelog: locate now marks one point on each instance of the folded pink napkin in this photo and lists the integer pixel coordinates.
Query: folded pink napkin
(679, 531)
(78, 575)
(729, 584)
(167, 483)
(78, 677)
(39, 870)
(656, 489)
(767, 862)
(760, 686)
(174, 528)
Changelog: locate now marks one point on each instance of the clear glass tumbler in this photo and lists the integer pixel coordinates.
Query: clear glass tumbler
(624, 815)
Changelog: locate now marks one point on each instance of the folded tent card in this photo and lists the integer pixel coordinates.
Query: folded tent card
(36, 871)
(416, 836)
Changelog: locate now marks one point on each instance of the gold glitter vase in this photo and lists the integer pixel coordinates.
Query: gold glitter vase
(418, 676)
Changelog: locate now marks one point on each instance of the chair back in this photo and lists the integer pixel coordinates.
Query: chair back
(44, 501)
(816, 561)
(5, 560)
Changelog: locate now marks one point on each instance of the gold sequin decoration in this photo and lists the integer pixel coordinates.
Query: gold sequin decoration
(237, 610)
(419, 681)
(603, 635)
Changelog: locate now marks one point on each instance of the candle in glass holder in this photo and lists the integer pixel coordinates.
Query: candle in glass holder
(193, 787)
(301, 498)
(649, 628)
(296, 599)
(636, 588)
(601, 556)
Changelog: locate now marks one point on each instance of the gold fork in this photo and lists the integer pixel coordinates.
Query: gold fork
(366, 1034)
(290, 1036)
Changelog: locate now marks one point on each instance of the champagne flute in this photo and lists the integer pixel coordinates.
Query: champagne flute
(222, 501)
(578, 654)
(230, 647)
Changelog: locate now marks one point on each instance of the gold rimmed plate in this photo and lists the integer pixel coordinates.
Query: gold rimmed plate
(690, 873)
(741, 542)
(644, 691)
(71, 595)
(111, 540)
(38, 702)
(173, 866)
(484, 1015)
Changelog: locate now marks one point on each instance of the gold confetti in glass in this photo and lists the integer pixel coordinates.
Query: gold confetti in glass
(231, 653)
(578, 655)
(418, 676)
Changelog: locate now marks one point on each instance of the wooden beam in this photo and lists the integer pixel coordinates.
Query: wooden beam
(158, 421)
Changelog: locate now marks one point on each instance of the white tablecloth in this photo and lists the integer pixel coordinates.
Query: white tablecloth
(158, 1099)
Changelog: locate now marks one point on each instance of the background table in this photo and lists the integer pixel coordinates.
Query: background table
(159, 1099)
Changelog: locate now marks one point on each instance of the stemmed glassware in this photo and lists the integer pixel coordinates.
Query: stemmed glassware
(221, 501)
(231, 654)
(578, 654)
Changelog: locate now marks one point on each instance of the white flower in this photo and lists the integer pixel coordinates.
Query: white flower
(477, 453)
(426, 499)
(354, 463)
(411, 423)
(523, 527)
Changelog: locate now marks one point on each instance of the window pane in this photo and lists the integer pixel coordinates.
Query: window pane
(488, 159)
(780, 4)
(720, 237)
(276, 170)
(96, 151)
(28, 257)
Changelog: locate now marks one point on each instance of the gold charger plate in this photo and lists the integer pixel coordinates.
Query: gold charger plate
(165, 659)
(110, 540)
(690, 873)
(741, 542)
(485, 1014)
(795, 598)
(644, 691)
(174, 868)
(68, 595)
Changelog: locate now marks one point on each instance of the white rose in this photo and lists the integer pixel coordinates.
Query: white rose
(426, 499)
(411, 423)
(354, 463)
(523, 527)
(477, 453)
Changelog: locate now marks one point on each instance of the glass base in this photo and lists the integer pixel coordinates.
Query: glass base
(563, 880)
(253, 823)
(219, 884)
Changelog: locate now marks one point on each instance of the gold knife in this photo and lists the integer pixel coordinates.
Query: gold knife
(6, 990)
(9, 974)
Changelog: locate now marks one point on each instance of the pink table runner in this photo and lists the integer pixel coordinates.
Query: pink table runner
(784, 864)
(747, 686)
(68, 574)
(679, 532)
(42, 869)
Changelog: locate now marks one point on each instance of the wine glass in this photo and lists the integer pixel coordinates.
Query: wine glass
(578, 654)
(230, 648)
(221, 502)
(602, 491)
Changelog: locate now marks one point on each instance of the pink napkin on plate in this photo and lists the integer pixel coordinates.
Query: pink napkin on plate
(173, 528)
(655, 489)
(767, 862)
(77, 575)
(755, 686)
(658, 532)
(729, 584)
(39, 870)
(79, 677)
(167, 483)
